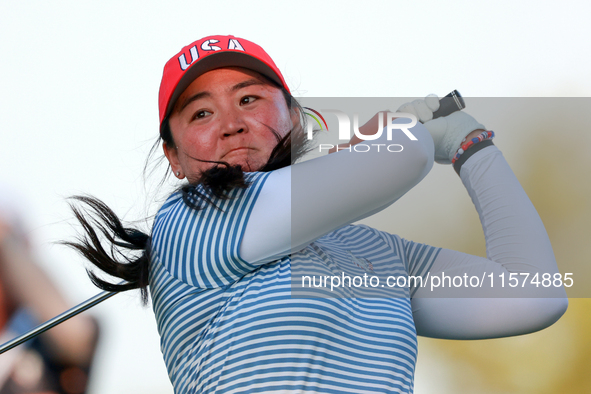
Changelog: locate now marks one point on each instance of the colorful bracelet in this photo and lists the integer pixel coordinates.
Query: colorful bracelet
(485, 135)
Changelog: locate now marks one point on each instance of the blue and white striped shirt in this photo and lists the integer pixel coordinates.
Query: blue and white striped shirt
(228, 326)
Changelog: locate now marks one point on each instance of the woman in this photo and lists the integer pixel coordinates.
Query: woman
(224, 249)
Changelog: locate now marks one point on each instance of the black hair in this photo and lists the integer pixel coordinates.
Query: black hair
(128, 255)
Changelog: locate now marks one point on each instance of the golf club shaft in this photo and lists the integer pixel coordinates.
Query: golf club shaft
(97, 299)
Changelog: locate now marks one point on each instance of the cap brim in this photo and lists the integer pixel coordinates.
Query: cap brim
(219, 60)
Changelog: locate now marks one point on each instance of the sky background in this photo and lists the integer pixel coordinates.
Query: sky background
(78, 106)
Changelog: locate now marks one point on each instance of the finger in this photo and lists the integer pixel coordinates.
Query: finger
(409, 109)
(424, 113)
(432, 102)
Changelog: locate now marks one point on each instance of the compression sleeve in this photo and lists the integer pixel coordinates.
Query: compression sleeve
(303, 202)
(516, 242)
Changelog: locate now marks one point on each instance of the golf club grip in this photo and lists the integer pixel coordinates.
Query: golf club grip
(451, 103)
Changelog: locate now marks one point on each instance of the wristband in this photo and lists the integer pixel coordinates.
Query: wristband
(466, 155)
(485, 135)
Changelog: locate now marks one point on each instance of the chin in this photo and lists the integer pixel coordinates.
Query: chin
(248, 164)
(250, 167)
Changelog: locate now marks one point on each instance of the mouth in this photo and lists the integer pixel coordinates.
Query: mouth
(237, 150)
(240, 153)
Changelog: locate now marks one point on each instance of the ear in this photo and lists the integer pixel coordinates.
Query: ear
(173, 159)
(295, 116)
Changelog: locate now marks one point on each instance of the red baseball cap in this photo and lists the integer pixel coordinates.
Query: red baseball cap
(207, 54)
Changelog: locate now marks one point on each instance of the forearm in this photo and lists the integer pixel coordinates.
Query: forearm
(516, 243)
(514, 233)
(308, 200)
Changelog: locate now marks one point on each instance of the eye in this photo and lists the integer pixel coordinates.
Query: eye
(201, 114)
(247, 100)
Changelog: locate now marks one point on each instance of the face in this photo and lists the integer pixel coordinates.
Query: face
(229, 115)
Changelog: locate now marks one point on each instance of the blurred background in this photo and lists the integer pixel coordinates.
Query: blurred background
(78, 110)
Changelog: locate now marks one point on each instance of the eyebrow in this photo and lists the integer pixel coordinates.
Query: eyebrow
(188, 101)
(247, 83)
(238, 86)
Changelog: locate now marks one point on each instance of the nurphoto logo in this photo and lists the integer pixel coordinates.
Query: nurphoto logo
(344, 129)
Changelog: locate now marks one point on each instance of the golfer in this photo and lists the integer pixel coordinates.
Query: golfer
(221, 259)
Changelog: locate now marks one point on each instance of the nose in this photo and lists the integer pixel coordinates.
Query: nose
(233, 123)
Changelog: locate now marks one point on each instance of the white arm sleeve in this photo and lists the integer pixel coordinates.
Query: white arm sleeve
(516, 242)
(305, 201)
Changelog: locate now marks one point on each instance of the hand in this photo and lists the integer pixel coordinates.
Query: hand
(422, 108)
(447, 132)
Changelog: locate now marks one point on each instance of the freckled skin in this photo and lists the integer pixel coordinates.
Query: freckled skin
(225, 115)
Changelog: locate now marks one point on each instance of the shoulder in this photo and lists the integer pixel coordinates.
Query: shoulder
(198, 243)
(361, 231)
(366, 237)
(417, 257)
(175, 204)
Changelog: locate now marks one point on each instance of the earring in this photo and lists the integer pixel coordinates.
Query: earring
(178, 173)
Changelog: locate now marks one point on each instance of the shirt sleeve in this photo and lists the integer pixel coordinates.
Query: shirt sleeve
(463, 297)
(417, 258)
(201, 247)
